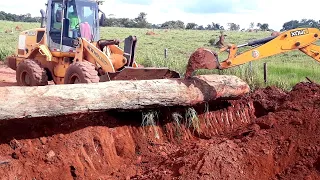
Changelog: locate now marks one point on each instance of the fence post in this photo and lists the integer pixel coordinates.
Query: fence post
(250, 66)
(250, 71)
(265, 72)
(165, 53)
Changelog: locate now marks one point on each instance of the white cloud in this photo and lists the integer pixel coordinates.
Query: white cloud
(273, 12)
(22, 6)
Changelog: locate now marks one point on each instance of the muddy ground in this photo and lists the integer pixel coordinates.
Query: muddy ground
(268, 134)
(7, 76)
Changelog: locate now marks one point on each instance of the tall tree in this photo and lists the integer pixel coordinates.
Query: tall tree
(258, 25)
(141, 21)
(251, 25)
(233, 27)
(191, 26)
(264, 27)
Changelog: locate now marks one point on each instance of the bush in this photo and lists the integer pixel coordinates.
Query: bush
(212, 41)
(3, 54)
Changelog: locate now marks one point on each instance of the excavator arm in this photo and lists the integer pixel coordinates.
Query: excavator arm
(296, 39)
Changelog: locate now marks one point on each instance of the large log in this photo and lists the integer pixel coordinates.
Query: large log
(55, 100)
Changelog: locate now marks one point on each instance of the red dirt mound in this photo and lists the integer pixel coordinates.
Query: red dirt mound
(151, 33)
(275, 33)
(284, 144)
(269, 134)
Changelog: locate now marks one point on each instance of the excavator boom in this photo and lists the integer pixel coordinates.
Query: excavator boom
(296, 39)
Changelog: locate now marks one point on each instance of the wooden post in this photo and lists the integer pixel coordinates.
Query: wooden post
(265, 72)
(250, 71)
(250, 66)
(165, 53)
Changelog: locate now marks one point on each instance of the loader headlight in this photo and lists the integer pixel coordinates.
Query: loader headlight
(76, 42)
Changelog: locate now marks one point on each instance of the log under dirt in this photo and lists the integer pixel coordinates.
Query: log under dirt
(56, 100)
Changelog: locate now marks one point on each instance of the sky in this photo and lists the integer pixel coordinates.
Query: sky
(201, 12)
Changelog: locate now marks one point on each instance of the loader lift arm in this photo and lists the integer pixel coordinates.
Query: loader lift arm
(296, 39)
(111, 61)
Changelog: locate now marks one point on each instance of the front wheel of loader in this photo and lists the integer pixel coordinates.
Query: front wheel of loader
(30, 73)
(81, 72)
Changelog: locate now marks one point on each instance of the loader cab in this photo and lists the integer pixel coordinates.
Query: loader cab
(69, 19)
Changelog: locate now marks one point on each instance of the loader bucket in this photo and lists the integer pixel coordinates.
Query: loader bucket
(141, 73)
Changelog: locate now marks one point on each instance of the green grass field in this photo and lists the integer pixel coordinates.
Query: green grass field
(284, 70)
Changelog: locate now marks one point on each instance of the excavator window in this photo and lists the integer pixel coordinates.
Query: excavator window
(83, 19)
(72, 15)
(56, 17)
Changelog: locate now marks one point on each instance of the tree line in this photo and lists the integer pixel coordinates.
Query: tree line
(300, 24)
(141, 22)
(18, 18)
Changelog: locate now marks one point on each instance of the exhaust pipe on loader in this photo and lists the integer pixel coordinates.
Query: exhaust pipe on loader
(42, 18)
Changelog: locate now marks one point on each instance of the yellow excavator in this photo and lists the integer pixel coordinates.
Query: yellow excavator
(302, 39)
(67, 49)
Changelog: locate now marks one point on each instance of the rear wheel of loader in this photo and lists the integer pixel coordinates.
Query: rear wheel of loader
(81, 72)
(30, 73)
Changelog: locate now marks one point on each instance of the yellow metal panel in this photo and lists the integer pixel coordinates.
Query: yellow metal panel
(312, 51)
(62, 54)
(43, 49)
(60, 68)
(101, 58)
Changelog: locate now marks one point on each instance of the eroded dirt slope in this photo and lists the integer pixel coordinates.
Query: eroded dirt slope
(269, 134)
(283, 144)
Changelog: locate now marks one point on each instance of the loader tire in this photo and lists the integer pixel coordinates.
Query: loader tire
(80, 73)
(30, 73)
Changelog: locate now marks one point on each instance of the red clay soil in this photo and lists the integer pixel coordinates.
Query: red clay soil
(282, 143)
(7, 76)
(269, 134)
(151, 33)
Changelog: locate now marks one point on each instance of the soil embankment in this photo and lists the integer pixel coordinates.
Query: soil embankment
(269, 134)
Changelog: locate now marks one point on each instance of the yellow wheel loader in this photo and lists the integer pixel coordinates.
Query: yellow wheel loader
(67, 49)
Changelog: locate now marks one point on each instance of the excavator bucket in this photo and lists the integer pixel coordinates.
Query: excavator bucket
(202, 59)
(144, 73)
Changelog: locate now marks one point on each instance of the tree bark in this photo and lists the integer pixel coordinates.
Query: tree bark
(55, 100)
